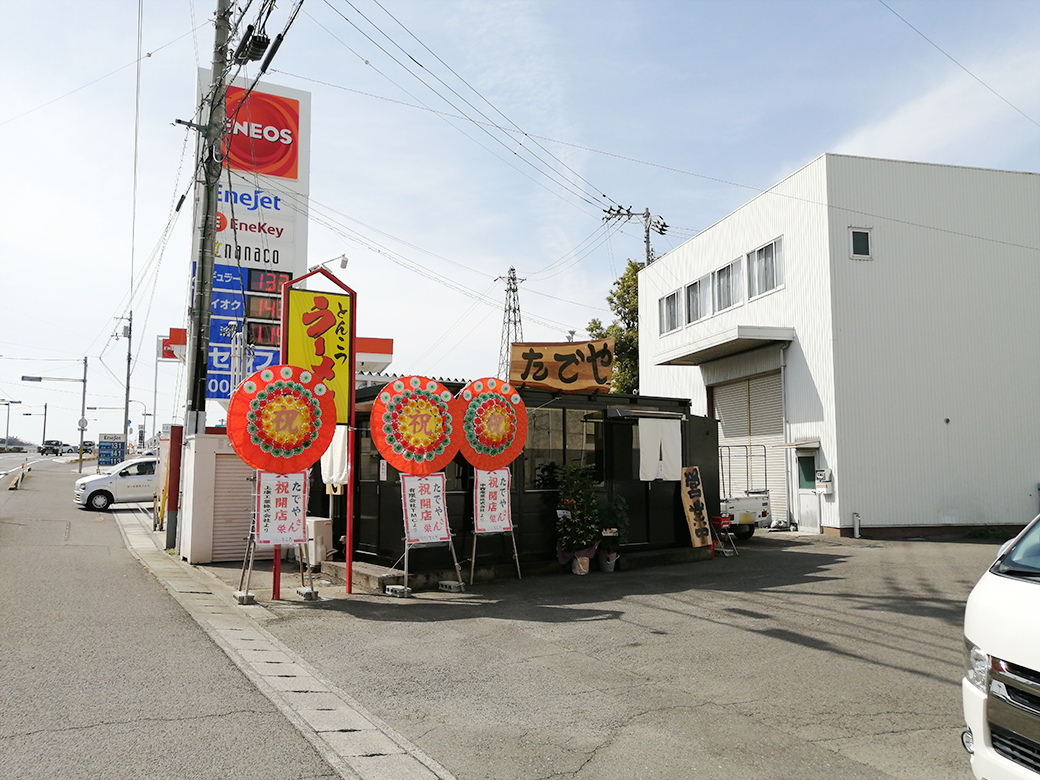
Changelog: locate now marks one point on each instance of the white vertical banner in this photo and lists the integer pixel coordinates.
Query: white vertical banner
(491, 502)
(281, 508)
(425, 513)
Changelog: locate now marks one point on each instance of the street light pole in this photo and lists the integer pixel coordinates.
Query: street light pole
(7, 434)
(37, 414)
(83, 405)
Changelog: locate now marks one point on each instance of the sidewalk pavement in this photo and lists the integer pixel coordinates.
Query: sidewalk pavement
(352, 740)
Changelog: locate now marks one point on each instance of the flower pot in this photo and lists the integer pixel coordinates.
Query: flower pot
(607, 560)
(580, 564)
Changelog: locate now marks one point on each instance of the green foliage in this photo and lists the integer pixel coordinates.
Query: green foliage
(613, 516)
(547, 476)
(577, 518)
(623, 300)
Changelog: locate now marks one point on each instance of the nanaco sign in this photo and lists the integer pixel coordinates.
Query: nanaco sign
(568, 366)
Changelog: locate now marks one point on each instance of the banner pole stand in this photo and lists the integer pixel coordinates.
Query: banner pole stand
(306, 589)
(516, 555)
(455, 560)
(406, 592)
(473, 559)
(276, 580)
(242, 595)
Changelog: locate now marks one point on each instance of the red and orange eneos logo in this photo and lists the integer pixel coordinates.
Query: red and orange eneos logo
(262, 133)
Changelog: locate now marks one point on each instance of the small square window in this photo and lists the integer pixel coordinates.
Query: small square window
(860, 244)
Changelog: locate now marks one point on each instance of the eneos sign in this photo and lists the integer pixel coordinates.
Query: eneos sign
(263, 132)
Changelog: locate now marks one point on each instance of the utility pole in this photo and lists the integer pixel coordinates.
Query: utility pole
(512, 328)
(128, 331)
(83, 412)
(650, 222)
(212, 156)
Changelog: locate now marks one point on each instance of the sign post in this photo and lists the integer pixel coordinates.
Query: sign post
(318, 331)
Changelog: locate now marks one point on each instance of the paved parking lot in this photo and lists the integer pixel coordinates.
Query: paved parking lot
(805, 657)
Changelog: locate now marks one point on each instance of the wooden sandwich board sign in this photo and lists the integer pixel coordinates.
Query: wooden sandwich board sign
(694, 507)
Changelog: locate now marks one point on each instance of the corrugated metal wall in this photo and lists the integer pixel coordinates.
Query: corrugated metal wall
(936, 343)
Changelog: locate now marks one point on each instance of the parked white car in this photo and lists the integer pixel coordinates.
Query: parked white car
(1001, 687)
(131, 480)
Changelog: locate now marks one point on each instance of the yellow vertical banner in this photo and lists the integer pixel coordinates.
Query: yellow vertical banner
(318, 334)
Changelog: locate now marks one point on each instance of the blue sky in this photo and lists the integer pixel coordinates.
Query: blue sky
(686, 108)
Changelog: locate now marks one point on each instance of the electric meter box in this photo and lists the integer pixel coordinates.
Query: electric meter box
(824, 482)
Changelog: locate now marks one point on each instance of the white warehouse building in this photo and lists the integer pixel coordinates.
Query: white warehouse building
(867, 333)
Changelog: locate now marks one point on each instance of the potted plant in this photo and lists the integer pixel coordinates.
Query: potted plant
(613, 515)
(577, 517)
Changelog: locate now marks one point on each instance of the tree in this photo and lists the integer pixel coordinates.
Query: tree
(623, 300)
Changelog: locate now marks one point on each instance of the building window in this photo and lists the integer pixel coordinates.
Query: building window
(544, 452)
(668, 311)
(861, 244)
(698, 300)
(806, 472)
(765, 268)
(727, 286)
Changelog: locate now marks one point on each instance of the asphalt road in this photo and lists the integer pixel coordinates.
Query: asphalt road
(104, 674)
(805, 657)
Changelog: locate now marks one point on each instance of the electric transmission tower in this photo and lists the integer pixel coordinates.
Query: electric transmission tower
(512, 329)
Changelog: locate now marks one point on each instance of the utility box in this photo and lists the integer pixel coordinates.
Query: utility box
(824, 482)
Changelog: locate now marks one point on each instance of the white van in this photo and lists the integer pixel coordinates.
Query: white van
(1001, 687)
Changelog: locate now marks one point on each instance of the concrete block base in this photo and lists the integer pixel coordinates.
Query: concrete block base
(245, 597)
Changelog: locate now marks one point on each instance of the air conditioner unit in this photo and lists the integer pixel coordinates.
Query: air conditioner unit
(319, 540)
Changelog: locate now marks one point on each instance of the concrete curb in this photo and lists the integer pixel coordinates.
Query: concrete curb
(358, 745)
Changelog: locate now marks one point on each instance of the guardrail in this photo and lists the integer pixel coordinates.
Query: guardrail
(19, 475)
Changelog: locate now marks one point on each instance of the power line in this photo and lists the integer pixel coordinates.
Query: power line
(101, 78)
(551, 174)
(492, 105)
(951, 59)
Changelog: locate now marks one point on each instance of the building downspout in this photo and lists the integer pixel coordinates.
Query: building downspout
(787, 434)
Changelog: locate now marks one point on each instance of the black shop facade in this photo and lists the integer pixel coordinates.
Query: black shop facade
(607, 431)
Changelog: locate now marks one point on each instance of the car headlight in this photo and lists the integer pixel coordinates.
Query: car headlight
(977, 666)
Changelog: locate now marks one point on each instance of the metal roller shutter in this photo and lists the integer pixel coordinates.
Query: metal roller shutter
(233, 505)
(751, 413)
(734, 414)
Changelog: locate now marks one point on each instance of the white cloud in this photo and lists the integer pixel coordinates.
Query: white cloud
(961, 122)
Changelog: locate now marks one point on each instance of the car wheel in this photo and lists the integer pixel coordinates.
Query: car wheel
(743, 532)
(100, 500)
